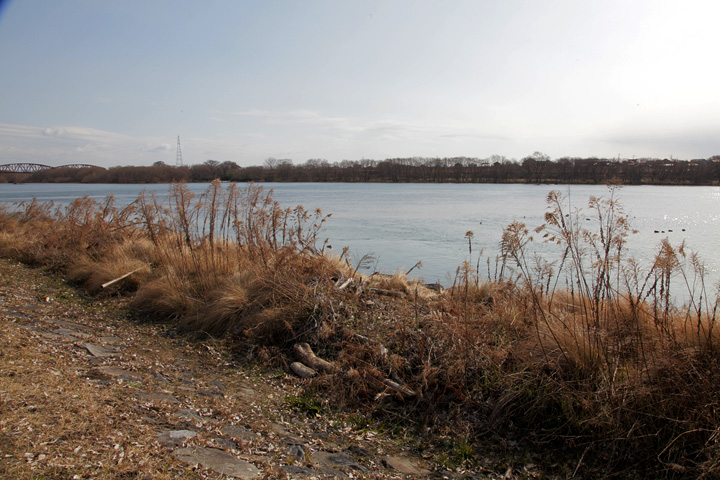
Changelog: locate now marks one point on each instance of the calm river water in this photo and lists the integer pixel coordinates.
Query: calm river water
(401, 224)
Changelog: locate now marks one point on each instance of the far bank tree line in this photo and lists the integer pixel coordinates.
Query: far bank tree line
(536, 168)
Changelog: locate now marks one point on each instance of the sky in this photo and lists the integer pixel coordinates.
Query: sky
(116, 83)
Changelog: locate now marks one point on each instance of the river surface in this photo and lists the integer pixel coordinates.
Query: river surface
(401, 224)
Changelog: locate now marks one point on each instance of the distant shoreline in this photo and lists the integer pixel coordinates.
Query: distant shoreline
(537, 169)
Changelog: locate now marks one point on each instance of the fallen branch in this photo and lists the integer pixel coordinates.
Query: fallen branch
(107, 284)
(311, 363)
(302, 370)
(387, 293)
(345, 284)
(308, 357)
(403, 390)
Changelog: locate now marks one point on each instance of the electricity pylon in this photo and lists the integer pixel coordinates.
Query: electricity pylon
(178, 157)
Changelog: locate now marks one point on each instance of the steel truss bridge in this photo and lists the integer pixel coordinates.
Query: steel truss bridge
(37, 167)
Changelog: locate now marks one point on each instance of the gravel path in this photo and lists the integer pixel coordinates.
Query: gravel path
(85, 392)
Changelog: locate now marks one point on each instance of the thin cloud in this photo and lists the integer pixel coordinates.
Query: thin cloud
(158, 148)
(296, 117)
(363, 128)
(59, 145)
(53, 132)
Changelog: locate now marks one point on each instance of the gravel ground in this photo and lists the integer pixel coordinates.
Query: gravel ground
(88, 392)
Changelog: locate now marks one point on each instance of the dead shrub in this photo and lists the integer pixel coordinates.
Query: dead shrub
(270, 326)
(92, 274)
(167, 297)
(238, 297)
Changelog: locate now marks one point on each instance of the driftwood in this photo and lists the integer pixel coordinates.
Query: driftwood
(387, 293)
(402, 389)
(301, 370)
(345, 284)
(107, 284)
(308, 357)
(310, 364)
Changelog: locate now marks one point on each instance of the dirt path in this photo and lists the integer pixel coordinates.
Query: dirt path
(87, 393)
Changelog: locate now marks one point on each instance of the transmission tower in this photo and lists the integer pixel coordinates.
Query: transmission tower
(178, 157)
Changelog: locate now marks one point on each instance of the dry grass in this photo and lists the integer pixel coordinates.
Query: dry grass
(589, 355)
(93, 274)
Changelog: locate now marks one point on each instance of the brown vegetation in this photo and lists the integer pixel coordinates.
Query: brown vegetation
(589, 357)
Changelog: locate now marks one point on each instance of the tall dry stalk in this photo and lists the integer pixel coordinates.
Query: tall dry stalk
(595, 277)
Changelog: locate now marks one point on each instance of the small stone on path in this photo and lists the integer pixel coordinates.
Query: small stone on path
(16, 314)
(158, 397)
(218, 385)
(338, 459)
(121, 373)
(210, 393)
(160, 377)
(217, 460)
(332, 472)
(297, 449)
(224, 443)
(355, 450)
(245, 392)
(406, 465)
(235, 431)
(98, 351)
(71, 325)
(175, 437)
(279, 429)
(295, 471)
(66, 332)
(190, 415)
(47, 335)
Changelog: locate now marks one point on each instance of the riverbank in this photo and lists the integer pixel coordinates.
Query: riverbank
(402, 224)
(594, 381)
(89, 391)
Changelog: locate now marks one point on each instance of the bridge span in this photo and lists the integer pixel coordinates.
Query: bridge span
(38, 167)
